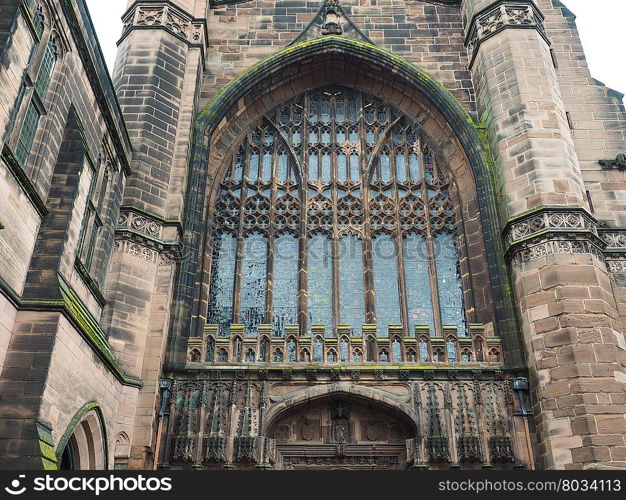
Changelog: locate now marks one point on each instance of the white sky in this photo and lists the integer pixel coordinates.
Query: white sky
(601, 25)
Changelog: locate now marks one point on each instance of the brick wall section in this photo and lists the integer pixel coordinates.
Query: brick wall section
(569, 318)
(428, 35)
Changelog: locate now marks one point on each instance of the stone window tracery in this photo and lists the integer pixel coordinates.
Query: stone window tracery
(334, 211)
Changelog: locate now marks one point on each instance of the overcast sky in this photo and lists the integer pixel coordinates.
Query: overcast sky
(601, 25)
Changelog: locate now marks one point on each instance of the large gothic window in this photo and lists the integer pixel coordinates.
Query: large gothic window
(333, 211)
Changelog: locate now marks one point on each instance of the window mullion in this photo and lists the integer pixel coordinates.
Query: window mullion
(402, 289)
(434, 283)
(368, 263)
(240, 237)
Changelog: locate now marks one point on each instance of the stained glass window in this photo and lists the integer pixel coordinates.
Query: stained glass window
(285, 306)
(334, 211)
(351, 285)
(320, 277)
(222, 282)
(386, 284)
(396, 351)
(418, 289)
(254, 279)
(450, 285)
(291, 351)
(210, 351)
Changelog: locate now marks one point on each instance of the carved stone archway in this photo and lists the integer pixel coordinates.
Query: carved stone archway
(340, 430)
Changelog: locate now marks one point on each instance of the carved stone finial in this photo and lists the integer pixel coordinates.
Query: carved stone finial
(618, 163)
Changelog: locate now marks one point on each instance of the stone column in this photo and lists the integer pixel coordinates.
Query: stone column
(159, 64)
(572, 333)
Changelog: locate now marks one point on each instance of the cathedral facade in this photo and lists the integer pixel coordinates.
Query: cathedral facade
(310, 235)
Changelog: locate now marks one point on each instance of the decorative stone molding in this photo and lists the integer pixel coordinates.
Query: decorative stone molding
(141, 223)
(552, 231)
(548, 219)
(136, 250)
(551, 247)
(619, 163)
(168, 17)
(144, 236)
(502, 15)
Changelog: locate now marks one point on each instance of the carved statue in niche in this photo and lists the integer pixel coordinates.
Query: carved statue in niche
(341, 423)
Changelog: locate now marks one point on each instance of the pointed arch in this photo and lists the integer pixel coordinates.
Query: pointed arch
(307, 396)
(279, 72)
(86, 435)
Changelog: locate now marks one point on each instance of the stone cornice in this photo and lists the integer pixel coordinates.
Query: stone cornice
(169, 17)
(562, 230)
(502, 15)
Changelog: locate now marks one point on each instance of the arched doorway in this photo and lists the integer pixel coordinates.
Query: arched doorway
(84, 446)
(341, 433)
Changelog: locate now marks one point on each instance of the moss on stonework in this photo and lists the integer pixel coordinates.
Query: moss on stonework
(46, 446)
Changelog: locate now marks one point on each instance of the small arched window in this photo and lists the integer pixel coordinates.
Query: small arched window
(451, 348)
(318, 350)
(384, 356)
(423, 348)
(370, 345)
(210, 351)
(357, 356)
(194, 356)
(264, 350)
(411, 356)
(222, 356)
(438, 355)
(250, 355)
(237, 350)
(396, 350)
(494, 355)
(344, 348)
(466, 355)
(331, 357)
(292, 350)
(305, 356)
(480, 346)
